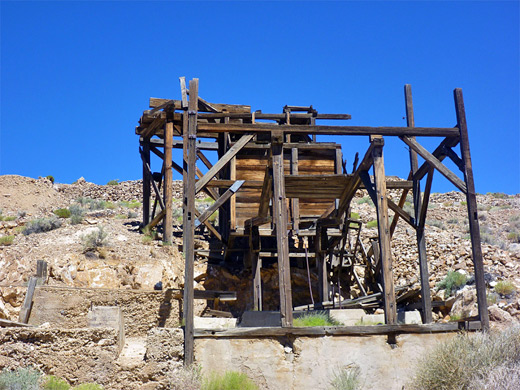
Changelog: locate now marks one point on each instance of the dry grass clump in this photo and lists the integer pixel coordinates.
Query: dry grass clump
(471, 362)
(505, 287)
(230, 380)
(346, 378)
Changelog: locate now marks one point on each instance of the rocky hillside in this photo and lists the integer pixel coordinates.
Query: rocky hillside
(96, 242)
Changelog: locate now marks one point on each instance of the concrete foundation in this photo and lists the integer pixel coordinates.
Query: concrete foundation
(310, 362)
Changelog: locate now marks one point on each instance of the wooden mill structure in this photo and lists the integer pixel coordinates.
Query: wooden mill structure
(280, 193)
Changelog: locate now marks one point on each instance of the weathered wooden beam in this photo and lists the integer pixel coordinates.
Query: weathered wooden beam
(471, 199)
(176, 144)
(25, 311)
(266, 195)
(158, 218)
(218, 203)
(145, 157)
(280, 220)
(426, 304)
(168, 184)
(223, 161)
(295, 202)
(433, 161)
(403, 214)
(155, 102)
(421, 219)
(384, 235)
(274, 117)
(189, 219)
(329, 130)
(150, 130)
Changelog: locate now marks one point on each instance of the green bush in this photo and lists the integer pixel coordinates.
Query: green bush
(465, 361)
(372, 224)
(62, 213)
(514, 237)
(76, 214)
(19, 379)
(230, 380)
(346, 378)
(452, 282)
(6, 240)
(95, 239)
(52, 382)
(113, 183)
(51, 178)
(438, 224)
(354, 215)
(314, 319)
(42, 225)
(88, 386)
(131, 205)
(505, 287)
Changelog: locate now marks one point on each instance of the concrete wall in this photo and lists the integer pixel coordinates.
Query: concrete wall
(309, 362)
(67, 307)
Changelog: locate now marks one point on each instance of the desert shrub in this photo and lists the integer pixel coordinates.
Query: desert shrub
(88, 386)
(354, 215)
(372, 224)
(499, 195)
(453, 221)
(19, 379)
(62, 213)
(185, 378)
(76, 214)
(365, 199)
(94, 239)
(346, 378)
(94, 204)
(505, 287)
(6, 240)
(7, 217)
(314, 319)
(113, 183)
(465, 360)
(434, 222)
(42, 225)
(51, 382)
(492, 298)
(230, 380)
(514, 237)
(132, 214)
(130, 205)
(51, 178)
(503, 377)
(452, 282)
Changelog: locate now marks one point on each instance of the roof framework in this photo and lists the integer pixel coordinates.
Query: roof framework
(298, 185)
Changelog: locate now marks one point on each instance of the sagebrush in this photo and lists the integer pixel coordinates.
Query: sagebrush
(230, 380)
(41, 225)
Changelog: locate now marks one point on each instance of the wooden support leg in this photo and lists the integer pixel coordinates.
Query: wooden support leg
(146, 182)
(426, 303)
(384, 233)
(168, 184)
(472, 210)
(282, 239)
(321, 263)
(189, 218)
(257, 280)
(295, 203)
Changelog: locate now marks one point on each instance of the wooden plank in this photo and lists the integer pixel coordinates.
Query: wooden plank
(426, 199)
(432, 160)
(456, 159)
(158, 218)
(256, 262)
(168, 184)
(280, 220)
(267, 190)
(150, 130)
(295, 203)
(184, 93)
(145, 157)
(426, 302)
(25, 311)
(329, 130)
(188, 228)
(318, 331)
(13, 324)
(223, 161)
(471, 199)
(384, 236)
(154, 102)
(403, 214)
(233, 199)
(218, 203)
(275, 117)
(201, 145)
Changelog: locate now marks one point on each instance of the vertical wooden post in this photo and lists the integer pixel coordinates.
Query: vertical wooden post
(185, 125)
(426, 303)
(168, 184)
(384, 232)
(295, 203)
(189, 217)
(146, 182)
(471, 199)
(280, 219)
(321, 263)
(232, 200)
(257, 280)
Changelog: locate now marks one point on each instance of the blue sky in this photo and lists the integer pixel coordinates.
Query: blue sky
(75, 76)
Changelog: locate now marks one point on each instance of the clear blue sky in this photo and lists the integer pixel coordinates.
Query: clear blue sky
(75, 76)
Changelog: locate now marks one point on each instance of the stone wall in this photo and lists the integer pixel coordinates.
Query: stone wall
(310, 362)
(68, 307)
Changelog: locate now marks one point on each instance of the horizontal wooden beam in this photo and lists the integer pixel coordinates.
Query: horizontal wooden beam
(260, 116)
(318, 331)
(155, 102)
(178, 144)
(328, 130)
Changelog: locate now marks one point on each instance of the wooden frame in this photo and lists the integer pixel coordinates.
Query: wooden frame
(279, 192)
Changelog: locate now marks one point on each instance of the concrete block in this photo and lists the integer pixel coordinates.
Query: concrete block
(214, 323)
(373, 319)
(260, 318)
(409, 317)
(347, 317)
(108, 317)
